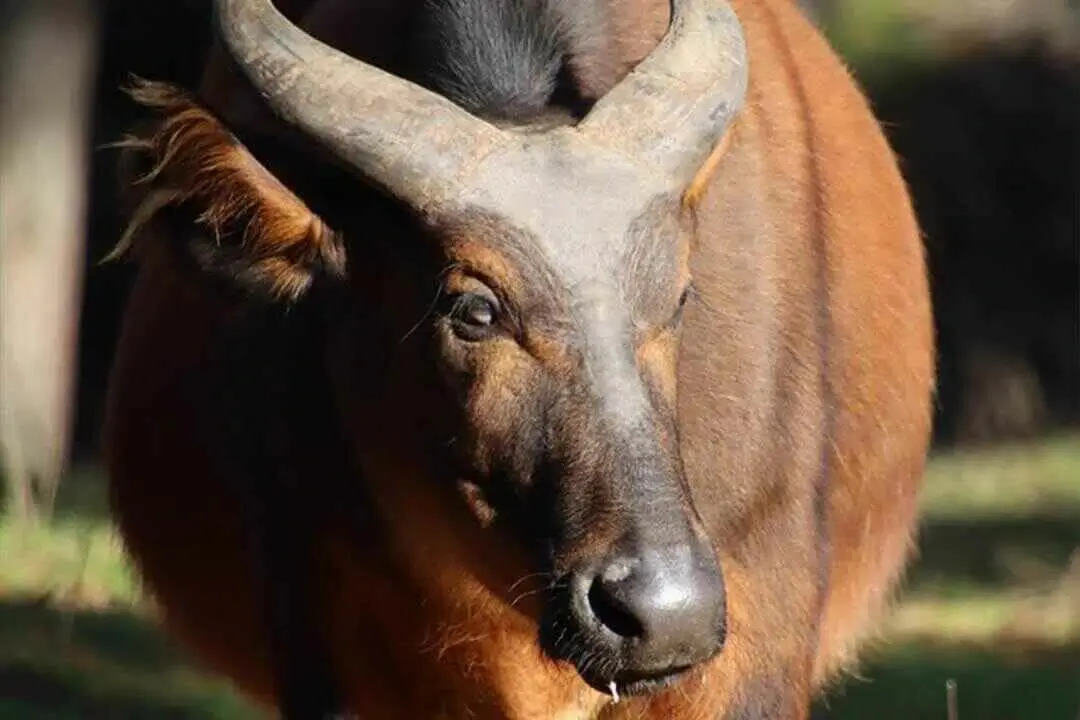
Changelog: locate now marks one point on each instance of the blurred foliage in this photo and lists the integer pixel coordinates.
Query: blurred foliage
(880, 37)
(872, 35)
(70, 662)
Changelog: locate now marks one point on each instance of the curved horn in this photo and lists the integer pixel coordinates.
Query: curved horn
(408, 140)
(674, 107)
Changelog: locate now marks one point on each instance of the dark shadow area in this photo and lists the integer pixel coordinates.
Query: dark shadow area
(111, 665)
(85, 498)
(989, 144)
(909, 684)
(82, 497)
(159, 40)
(978, 553)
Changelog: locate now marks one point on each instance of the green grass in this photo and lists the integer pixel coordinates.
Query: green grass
(1013, 481)
(874, 34)
(77, 639)
(993, 602)
(908, 683)
(75, 663)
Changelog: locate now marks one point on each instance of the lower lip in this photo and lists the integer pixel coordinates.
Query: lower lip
(638, 686)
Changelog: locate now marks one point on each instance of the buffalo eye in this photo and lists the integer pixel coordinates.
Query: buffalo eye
(473, 316)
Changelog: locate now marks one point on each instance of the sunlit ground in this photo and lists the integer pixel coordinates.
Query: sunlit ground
(992, 603)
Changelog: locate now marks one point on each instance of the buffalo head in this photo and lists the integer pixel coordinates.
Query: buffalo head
(508, 367)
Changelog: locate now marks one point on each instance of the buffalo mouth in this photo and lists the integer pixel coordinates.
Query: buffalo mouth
(604, 673)
(633, 684)
(616, 663)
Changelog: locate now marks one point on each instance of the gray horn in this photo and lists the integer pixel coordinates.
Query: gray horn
(408, 140)
(669, 111)
(674, 107)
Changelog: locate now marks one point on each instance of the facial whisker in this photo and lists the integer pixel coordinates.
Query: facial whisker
(524, 578)
(431, 306)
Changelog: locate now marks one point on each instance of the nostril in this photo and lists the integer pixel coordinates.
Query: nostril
(639, 619)
(611, 613)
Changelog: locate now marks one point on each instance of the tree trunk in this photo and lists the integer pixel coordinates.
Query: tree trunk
(47, 64)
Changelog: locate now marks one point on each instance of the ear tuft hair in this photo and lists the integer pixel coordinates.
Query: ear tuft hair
(255, 230)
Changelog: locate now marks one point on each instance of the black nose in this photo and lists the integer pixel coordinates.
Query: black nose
(650, 614)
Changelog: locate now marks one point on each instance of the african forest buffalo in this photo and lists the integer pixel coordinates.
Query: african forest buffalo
(581, 367)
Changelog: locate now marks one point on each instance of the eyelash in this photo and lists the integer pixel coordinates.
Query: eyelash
(460, 318)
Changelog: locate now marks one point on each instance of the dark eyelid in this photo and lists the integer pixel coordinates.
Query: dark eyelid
(509, 310)
(484, 284)
(488, 285)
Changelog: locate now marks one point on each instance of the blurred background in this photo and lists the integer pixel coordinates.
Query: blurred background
(981, 100)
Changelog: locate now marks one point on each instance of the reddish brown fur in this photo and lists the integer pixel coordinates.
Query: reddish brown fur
(195, 162)
(806, 175)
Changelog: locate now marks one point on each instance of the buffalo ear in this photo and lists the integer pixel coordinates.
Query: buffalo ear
(250, 228)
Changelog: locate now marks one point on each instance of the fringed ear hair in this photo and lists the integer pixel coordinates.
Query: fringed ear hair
(253, 229)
